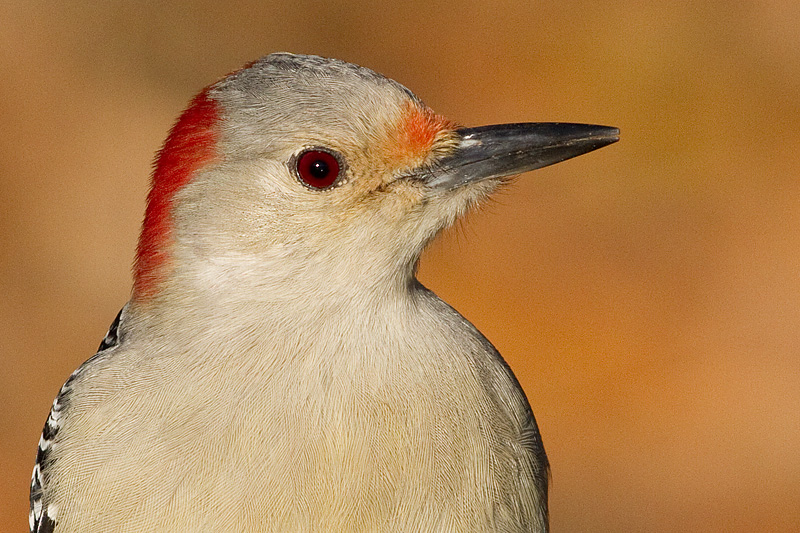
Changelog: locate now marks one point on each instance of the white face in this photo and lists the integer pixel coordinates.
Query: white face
(276, 203)
(325, 174)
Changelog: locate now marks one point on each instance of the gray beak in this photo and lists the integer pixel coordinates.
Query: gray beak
(507, 149)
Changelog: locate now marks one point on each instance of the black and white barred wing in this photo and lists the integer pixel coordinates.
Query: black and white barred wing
(43, 517)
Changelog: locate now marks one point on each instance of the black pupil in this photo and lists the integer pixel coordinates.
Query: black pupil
(319, 169)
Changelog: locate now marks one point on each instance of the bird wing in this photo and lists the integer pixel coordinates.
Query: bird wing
(42, 517)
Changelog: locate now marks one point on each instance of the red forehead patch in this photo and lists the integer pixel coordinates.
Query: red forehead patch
(418, 130)
(190, 146)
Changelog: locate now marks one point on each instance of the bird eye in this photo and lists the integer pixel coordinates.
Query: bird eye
(318, 168)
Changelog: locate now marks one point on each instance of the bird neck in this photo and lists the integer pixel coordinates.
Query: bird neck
(249, 294)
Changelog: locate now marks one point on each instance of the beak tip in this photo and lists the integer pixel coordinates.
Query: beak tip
(611, 134)
(602, 136)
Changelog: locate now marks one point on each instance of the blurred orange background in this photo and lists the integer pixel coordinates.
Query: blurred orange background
(647, 295)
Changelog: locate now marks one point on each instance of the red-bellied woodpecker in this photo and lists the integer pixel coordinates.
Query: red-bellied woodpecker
(279, 367)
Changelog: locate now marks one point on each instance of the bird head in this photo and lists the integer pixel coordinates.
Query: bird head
(299, 176)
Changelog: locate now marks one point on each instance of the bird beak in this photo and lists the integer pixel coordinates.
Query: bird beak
(507, 149)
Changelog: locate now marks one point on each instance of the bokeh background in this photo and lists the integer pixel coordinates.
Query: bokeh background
(647, 295)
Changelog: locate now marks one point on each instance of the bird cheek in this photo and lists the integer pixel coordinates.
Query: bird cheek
(399, 197)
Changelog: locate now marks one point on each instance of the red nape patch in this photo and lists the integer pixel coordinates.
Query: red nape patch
(190, 145)
(418, 129)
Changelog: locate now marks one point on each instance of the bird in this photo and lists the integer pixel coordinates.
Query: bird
(278, 366)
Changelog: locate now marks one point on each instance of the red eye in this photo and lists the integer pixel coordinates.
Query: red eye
(318, 169)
